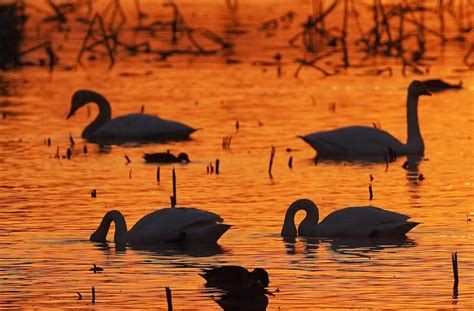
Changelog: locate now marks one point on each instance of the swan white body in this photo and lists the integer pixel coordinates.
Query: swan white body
(131, 127)
(350, 222)
(177, 224)
(363, 141)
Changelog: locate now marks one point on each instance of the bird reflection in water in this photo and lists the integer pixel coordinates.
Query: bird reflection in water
(238, 288)
(251, 298)
(164, 250)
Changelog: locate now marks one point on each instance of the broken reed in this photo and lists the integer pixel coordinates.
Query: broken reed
(173, 197)
(454, 260)
(168, 298)
(386, 34)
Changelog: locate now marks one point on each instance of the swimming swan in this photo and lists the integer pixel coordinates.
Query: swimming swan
(363, 141)
(349, 222)
(131, 127)
(177, 224)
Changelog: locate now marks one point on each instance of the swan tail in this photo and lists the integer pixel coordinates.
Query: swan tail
(206, 233)
(394, 229)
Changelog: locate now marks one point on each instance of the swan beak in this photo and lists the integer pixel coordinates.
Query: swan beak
(70, 114)
(426, 91)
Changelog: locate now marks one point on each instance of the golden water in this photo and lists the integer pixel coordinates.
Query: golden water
(47, 213)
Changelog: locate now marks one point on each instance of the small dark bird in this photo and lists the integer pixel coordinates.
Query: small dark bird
(437, 85)
(166, 157)
(234, 277)
(96, 269)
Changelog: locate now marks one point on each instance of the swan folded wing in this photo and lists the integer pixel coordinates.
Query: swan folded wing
(353, 140)
(358, 221)
(166, 224)
(139, 125)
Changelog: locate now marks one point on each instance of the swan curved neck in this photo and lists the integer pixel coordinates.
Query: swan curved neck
(310, 221)
(103, 116)
(414, 140)
(120, 236)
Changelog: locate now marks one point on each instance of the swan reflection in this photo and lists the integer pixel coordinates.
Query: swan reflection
(164, 250)
(358, 248)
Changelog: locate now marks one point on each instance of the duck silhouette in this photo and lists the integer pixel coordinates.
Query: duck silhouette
(166, 157)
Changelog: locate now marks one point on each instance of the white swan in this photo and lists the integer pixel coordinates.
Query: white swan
(363, 141)
(131, 127)
(349, 222)
(177, 224)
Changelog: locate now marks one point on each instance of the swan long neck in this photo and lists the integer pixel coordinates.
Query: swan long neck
(414, 140)
(103, 116)
(120, 236)
(310, 221)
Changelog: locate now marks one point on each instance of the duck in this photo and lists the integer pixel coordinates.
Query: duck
(167, 225)
(232, 277)
(369, 142)
(127, 128)
(349, 222)
(166, 157)
(438, 85)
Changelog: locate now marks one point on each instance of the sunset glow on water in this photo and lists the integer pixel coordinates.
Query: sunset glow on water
(47, 213)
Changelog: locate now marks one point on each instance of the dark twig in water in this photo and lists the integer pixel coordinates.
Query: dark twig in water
(84, 149)
(71, 140)
(79, 296)
(158, 174)
(93, 193)
(290, 162)
(130, 174)
(93, 295)
(454, 260)
(272, 155)
(168, 299)
(173, 197)
(104, 40)
(49, 142)
(226, 142)
(68, 153)
(211, 168)
(128, 160)
(217, 166)
(371, 194)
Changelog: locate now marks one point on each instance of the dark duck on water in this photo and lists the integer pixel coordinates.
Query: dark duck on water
(166, 157)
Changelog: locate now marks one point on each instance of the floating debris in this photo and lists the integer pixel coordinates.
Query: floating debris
(93, 193)
(96, 269)
(217, 166)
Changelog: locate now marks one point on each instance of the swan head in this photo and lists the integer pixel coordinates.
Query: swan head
(79, 99)
(260, 275)
(417, 88)
(183, 157)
